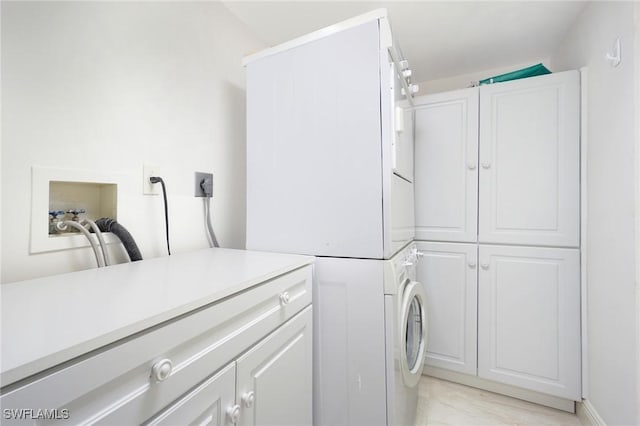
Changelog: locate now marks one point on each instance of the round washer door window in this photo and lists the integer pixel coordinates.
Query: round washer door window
(414, 332)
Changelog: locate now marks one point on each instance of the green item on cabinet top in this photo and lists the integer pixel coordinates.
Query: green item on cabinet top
(531, 71)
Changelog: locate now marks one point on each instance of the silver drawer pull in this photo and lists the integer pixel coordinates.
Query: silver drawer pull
(162, 369)
(285, 298)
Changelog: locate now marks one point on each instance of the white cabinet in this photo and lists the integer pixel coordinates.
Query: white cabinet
(529, 318)
(499, 164)
(446, 157)
(183, 371)
(211, 403)
(259, 388)
(275, 377)
(448, 272)
(504, 172)
(529, 161)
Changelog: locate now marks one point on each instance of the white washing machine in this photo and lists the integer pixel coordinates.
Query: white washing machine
(369, 340)
(406, 328)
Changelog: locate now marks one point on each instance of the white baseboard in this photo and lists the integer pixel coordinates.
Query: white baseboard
(508, 390)
(588, 415)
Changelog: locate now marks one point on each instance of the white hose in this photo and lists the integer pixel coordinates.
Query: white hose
(206, 227)
(103, 245)
(62, 226)
(213, 241)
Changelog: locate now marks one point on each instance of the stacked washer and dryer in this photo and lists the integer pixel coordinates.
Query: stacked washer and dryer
(329, 174)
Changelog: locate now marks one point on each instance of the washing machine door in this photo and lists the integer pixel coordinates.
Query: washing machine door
(413, 337)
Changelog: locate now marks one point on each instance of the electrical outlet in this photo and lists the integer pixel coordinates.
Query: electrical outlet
(204, 184)
(149, 188)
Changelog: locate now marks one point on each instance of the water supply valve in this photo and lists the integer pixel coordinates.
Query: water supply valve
(76, 213)
(53, 220)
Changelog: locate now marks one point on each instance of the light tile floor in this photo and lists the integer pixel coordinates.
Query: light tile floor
(446, 403)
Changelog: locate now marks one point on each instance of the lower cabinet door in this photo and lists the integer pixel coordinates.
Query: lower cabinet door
(448, 272)
(211, 403)
(529, 318)
(274, 378)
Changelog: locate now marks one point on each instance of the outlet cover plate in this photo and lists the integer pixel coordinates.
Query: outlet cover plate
(200, 176)
(149, 188)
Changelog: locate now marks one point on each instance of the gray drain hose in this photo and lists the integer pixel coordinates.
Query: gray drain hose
(110, 225)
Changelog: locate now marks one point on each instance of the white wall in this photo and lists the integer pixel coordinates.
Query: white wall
(612, 330)
(110, 86)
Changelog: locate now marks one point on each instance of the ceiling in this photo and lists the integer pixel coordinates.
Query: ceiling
(439, 38)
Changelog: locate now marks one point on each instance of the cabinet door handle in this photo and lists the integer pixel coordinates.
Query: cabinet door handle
(486, 165)
(161, 369)
(285, 298)
(471, 166)
(233, 413)
(485, 266)
(472, 264)
(248, 398)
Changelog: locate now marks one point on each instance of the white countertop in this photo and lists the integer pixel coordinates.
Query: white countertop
(51, 320)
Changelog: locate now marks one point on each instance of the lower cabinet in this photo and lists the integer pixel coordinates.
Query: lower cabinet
(244, 360)
(529, 318)
(271, 384)
(448, 272)
(526, 322)
(274, 378)
(211, 403)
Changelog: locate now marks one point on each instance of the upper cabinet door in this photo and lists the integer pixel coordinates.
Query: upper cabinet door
(446, 172)
(529, 161)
